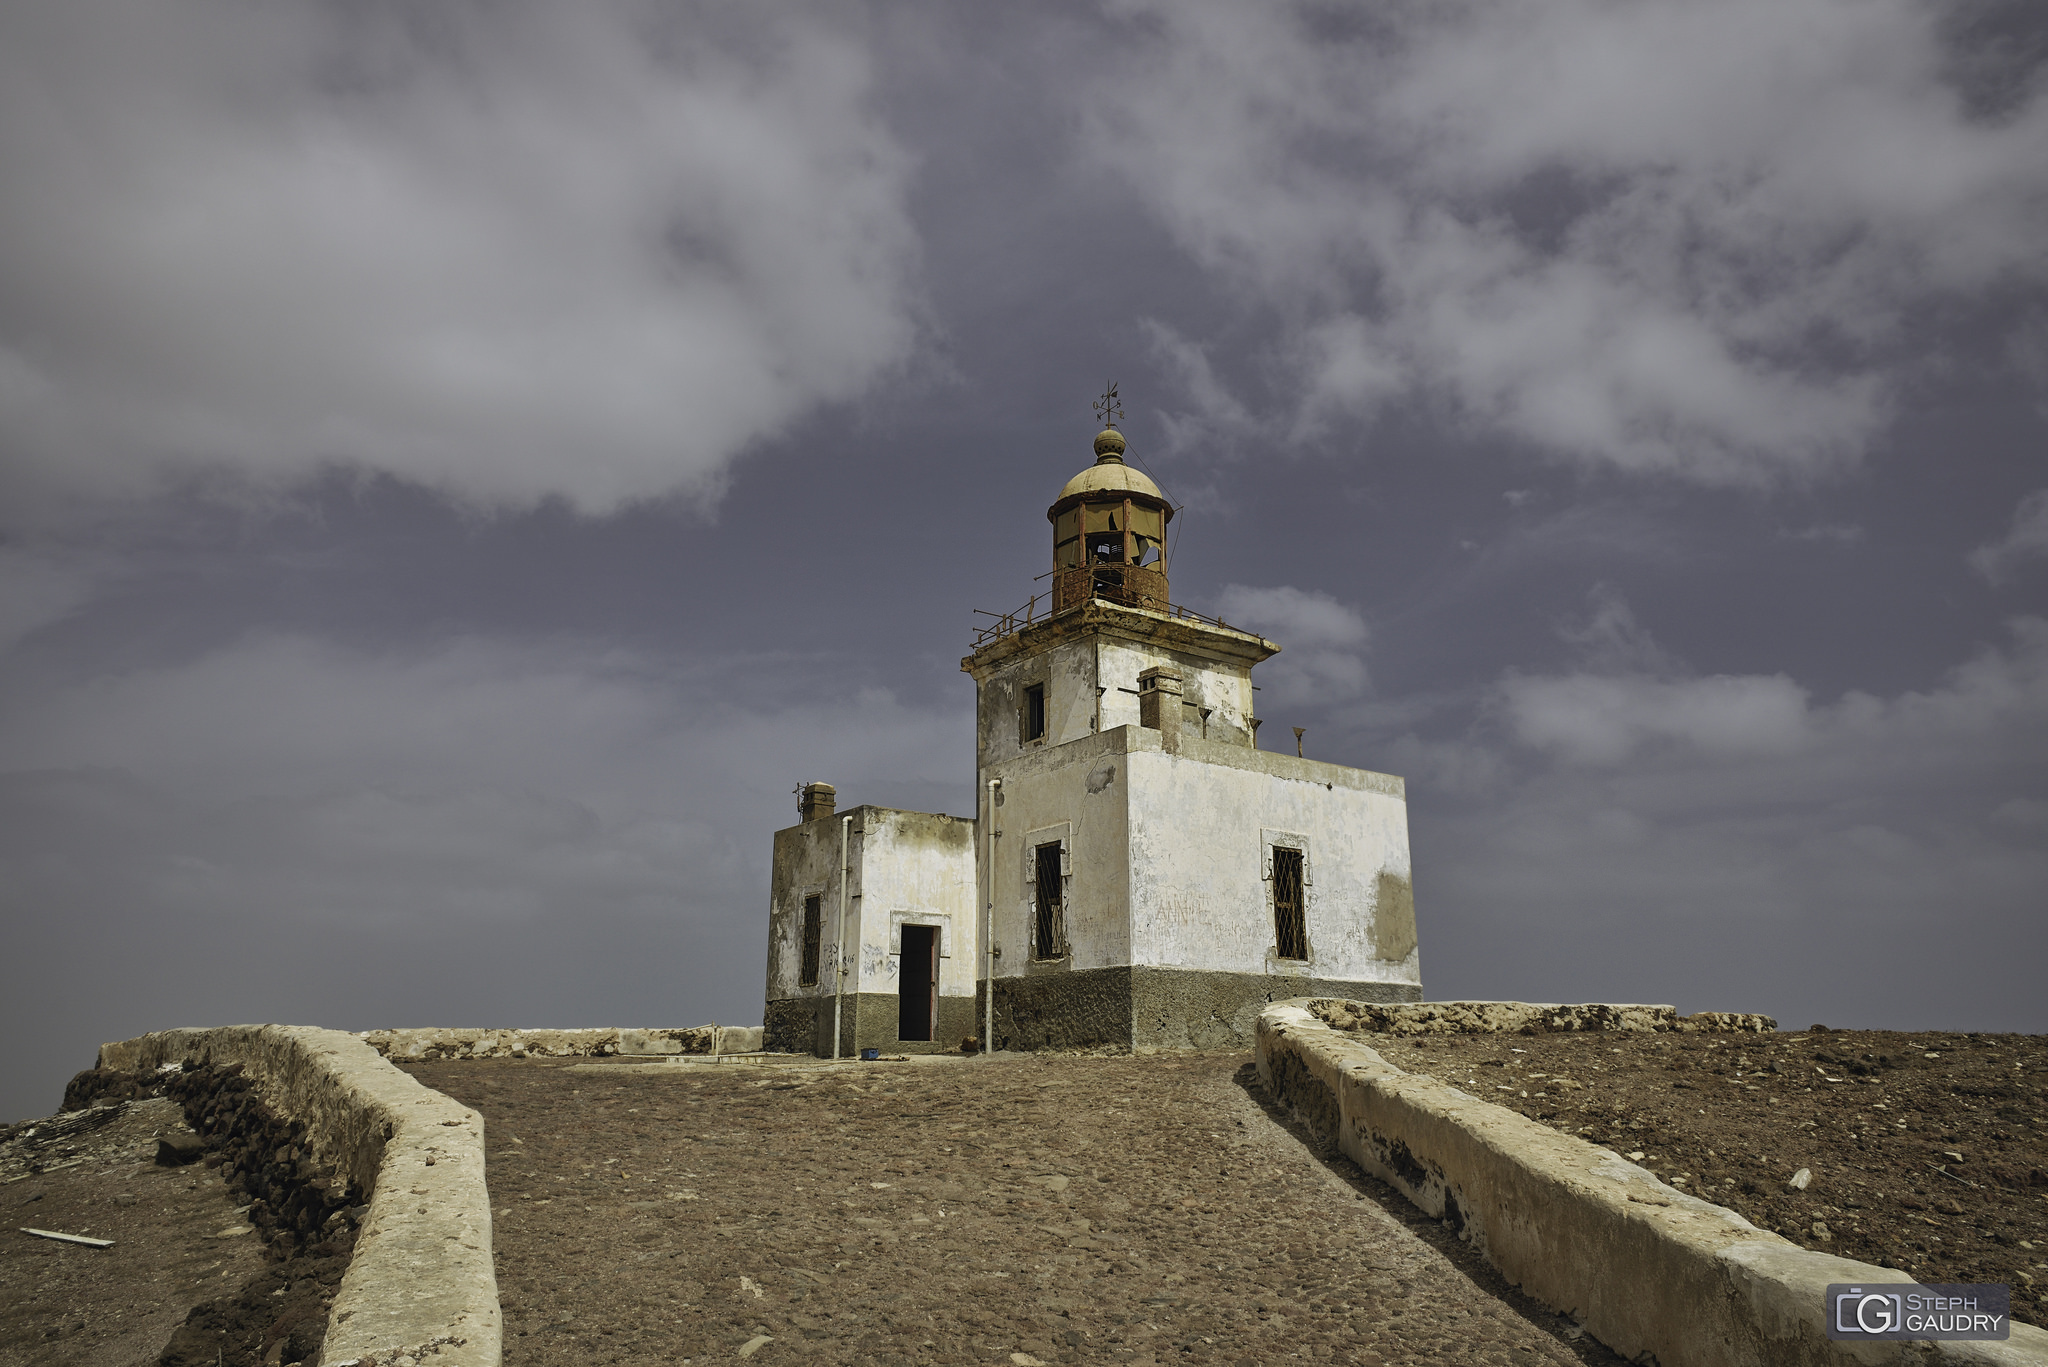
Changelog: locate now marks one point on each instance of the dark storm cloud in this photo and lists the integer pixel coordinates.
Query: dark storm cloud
(509, 252)
(1663, 237)
(461, 472)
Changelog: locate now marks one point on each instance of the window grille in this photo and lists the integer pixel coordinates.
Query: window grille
(1048, 933)
(1290, 913)
(813, 934)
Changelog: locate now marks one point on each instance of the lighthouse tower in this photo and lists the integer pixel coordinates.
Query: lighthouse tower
(1149, 876)
(1138, 873)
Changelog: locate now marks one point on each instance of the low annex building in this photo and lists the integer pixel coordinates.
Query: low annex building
(1138, 874)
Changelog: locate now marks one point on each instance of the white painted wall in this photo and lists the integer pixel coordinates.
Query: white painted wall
(1076, 792)
(1169, 856)
(898, 872)
(1070, 672)
(902, 874)
(1200, 830)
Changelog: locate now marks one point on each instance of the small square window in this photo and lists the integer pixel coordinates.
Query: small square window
(1034, 712)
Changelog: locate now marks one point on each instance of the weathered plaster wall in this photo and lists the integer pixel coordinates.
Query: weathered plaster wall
(915, 868)
(1202, 824)
(1223, 688)
(1073, 793)
(805, 864)
(1169, 859)
(1104, 647)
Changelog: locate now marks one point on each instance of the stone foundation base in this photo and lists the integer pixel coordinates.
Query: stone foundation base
(1142, 1009)
(868, 1020)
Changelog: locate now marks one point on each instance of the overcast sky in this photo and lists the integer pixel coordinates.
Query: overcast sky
(462, 466)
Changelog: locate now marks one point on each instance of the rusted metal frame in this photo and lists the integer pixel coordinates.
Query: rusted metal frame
(1290, 911)
(1007, 623)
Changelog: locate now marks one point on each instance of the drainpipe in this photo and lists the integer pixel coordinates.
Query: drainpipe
(839, 945)
(1096, 726)
(988, 940)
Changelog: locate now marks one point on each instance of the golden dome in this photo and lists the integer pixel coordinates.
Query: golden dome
(1109, 474)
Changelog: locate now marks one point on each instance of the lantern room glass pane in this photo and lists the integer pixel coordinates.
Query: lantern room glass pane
(1067, 555)
(1101, 517)
(1149, 523)
(1067, 526)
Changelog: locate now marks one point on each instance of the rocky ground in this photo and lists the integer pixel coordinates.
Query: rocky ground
(178, 1238)
(1926, 1152)
(1010, 1210)
(247, 1202)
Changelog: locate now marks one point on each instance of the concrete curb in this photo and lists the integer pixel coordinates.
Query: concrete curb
(421, 1284)
(1647, 1269)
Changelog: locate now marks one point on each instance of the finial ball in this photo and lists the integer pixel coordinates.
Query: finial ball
(1109, 445)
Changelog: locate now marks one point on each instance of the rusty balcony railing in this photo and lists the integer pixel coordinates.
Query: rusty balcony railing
(1017, 619)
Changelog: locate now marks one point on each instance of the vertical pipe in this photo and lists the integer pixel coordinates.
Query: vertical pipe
(839, 940)
(988, 940)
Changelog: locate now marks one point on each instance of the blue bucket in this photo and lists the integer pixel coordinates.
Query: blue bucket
(870, 1055)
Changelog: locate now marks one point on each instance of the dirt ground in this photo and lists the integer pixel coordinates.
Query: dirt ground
(66, 1305)
(1008, 1210)
(1059, 1209)
(1926, 1152)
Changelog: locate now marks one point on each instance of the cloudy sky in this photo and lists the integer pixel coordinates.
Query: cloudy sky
(462, 466)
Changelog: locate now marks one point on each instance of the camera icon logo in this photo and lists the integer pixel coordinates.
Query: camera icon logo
(1868, 1312)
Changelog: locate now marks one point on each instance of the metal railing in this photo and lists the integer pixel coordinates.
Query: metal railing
(1017, 619)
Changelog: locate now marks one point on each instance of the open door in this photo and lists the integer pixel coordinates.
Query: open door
(917, 984)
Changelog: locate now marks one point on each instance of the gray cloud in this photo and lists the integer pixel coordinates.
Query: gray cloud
(339, 749)
(2026, 539)
(1322, 657)
(1874, 860)
(508, 252)
(1618, 235)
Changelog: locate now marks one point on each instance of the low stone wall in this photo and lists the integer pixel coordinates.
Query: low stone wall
(1648, 1270)
(421, 1283)
(434, 1044)
(1523, 1018)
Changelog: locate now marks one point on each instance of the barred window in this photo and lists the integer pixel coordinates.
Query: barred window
(813, 933)
(1290, 914)
(1048, 934)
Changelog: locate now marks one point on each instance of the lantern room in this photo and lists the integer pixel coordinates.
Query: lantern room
(1109, 533)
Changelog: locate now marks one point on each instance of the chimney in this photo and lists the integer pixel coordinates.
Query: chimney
(817, 802)
(1159, 705)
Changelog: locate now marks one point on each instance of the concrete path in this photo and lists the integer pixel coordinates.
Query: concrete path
(1008, 1210)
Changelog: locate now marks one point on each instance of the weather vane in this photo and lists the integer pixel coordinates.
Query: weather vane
(1107, 408)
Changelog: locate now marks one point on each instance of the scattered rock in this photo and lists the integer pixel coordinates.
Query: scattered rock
(176, 1150)
(1822, 1233)
(755, 1344)
(1799, 1180)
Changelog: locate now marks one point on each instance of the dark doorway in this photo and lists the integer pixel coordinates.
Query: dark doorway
(917, 991)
